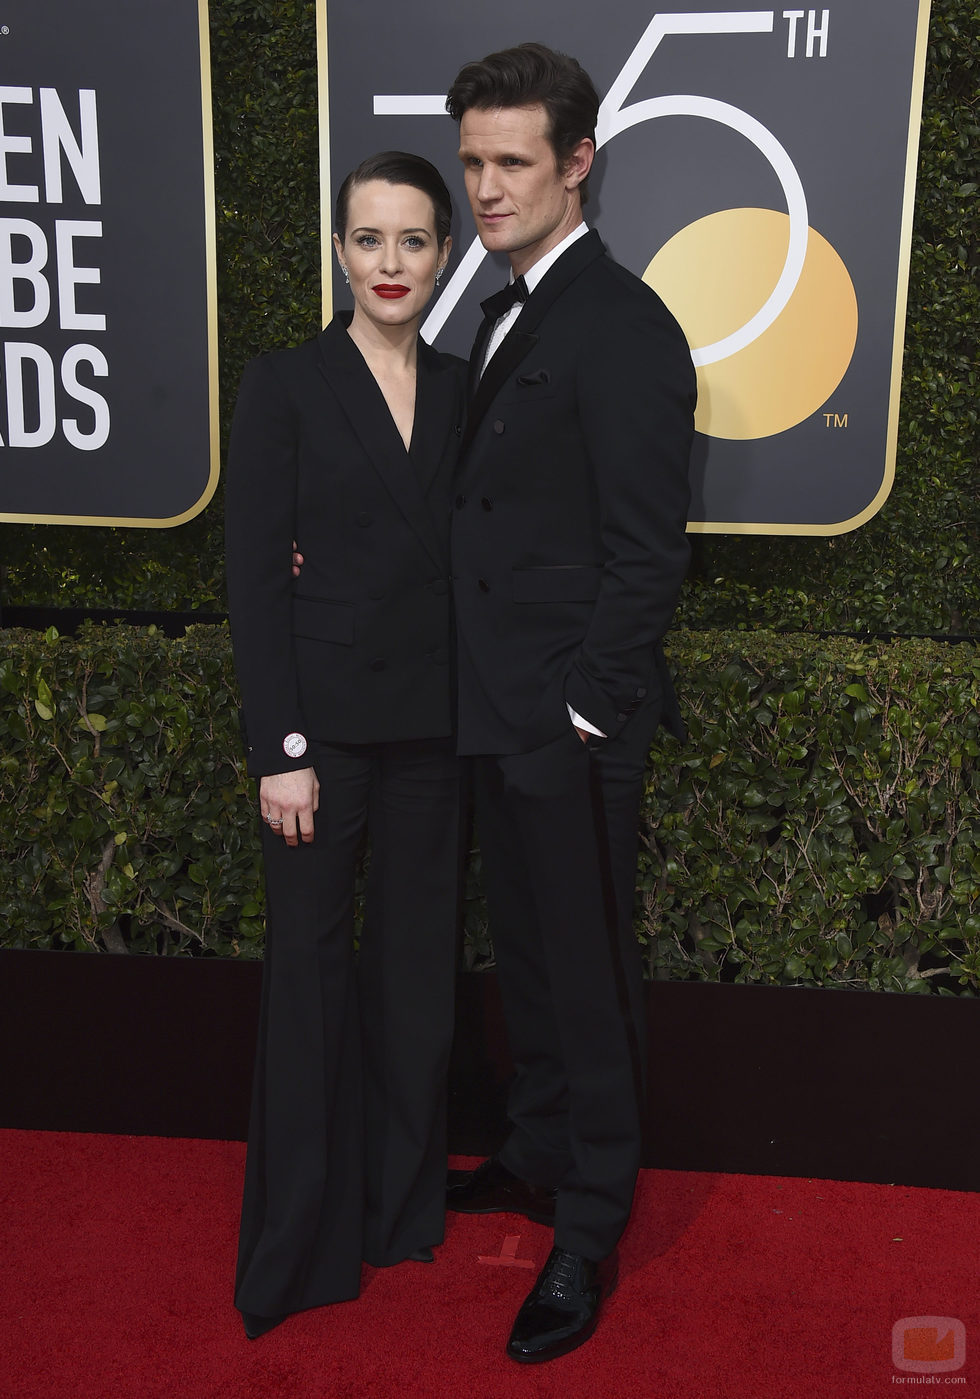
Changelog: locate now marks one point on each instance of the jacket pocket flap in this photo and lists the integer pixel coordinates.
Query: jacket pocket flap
(322, 620)
(561, 583)
(525, 391)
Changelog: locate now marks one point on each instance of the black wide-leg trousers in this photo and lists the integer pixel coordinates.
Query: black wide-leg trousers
(558, 829)
(347, 1138)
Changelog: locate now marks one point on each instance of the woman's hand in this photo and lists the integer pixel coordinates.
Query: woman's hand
(287, 801)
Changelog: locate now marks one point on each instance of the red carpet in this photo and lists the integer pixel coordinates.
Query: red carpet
(117, 1256)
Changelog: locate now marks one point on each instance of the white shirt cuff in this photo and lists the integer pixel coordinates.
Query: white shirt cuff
(581, 723)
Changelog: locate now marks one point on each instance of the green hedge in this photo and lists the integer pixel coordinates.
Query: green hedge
(127, 823)
(913, 568)
(822, 827)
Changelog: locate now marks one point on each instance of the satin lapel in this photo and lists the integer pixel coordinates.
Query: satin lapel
(364, 406)
(559, 278)
(476, 356)
(514, 346)
(523, 336)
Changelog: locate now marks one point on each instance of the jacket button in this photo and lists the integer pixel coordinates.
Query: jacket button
(483, 585)
(379, 663)
(364, 519)
(640, 694)
(498, 427)
(458, 430)
(439, 587)
(460, 502)
(622, 718)
(487, 503)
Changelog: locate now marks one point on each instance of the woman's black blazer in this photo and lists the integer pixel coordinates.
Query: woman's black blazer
(357, 649)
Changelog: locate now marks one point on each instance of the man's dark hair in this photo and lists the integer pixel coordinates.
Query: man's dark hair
(398, 168)
(525, 76)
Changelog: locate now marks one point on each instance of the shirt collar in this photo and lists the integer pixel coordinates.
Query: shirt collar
(544, 264)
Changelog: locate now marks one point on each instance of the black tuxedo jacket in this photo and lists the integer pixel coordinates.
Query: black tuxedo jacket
(357, 649)
(569, 544)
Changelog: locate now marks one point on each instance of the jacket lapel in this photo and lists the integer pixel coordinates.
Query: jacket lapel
(523, 336)
(364, 406)
(437, 413)
(476, 356)
(514, 346)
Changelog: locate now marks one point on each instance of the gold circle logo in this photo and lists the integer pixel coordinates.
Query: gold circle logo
(714, 275)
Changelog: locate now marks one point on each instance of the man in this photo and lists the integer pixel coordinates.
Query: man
(569, 549)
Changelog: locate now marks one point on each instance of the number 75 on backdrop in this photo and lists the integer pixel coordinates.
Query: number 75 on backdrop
(755, 166)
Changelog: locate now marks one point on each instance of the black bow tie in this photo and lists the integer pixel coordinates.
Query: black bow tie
(500, 303)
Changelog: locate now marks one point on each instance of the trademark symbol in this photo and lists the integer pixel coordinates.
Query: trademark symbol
(4, 29)
(835, 419)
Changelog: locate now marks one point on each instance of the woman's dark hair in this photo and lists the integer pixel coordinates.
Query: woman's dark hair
(525, 76)
(398, 168)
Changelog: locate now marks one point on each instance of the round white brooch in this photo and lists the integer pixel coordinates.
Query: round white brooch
(294, 745)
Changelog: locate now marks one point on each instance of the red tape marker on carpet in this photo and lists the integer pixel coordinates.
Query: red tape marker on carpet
(507, 1257)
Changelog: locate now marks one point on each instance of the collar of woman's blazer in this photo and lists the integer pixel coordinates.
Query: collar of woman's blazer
(335, 347)
(407, 476)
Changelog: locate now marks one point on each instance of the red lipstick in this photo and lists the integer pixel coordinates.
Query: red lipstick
(390, 291)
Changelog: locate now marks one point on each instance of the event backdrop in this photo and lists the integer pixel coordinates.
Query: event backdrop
(108, 376)
(755, 166)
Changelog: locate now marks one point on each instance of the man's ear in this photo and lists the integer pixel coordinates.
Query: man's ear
(579, 163)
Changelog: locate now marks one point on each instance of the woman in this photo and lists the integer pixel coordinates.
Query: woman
(346, 445)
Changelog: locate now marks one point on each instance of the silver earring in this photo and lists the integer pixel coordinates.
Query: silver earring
(439, 272)
(346, 275)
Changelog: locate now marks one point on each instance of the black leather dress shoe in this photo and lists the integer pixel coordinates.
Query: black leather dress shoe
(562, 1308)
(492, 1189)
(256, 1326)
